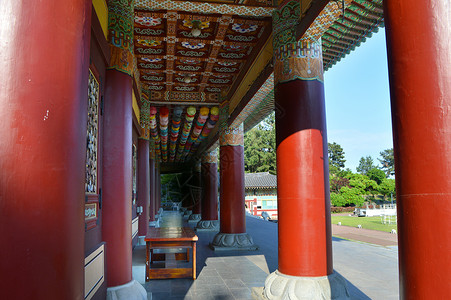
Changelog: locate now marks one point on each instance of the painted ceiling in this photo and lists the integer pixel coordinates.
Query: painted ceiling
(191, 56)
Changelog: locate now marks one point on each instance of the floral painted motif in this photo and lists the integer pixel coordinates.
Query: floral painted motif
(202, 24)
(193, 46)
(148, 43)
(227, 63)
(151, 60)
(233, 48)
(189, 61)
(147, 21)
(244, 28)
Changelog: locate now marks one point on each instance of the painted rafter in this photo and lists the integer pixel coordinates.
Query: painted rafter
(205, 7)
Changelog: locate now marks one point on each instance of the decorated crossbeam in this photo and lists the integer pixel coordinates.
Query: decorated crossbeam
(164, 121)
(200, 122)
(154, 131)
(190, 112)
(210, 124)
(175, 128)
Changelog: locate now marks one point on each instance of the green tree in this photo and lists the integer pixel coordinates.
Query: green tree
(365, 164)
(361, 182)
(376, 174)
(387, 187)
(387, 161)
(336, 157)
(260, 147)
(352, 196)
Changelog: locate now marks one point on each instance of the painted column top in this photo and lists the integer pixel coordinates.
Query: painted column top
(232, 136)
(210, 157)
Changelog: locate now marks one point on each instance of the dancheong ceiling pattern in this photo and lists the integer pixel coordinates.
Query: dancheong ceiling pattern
(191, 56)
(174, 65)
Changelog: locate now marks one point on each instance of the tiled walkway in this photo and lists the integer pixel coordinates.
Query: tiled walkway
(371, 270)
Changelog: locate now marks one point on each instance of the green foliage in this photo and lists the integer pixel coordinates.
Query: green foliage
(352, 195)
(387, 187)
(337, 199)
(336, 157)
(362, 182)
(260, 147)
(373, 223)
(387, 162)
(376, 175)
(365, 164)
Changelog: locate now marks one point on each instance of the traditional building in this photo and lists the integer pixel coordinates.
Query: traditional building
(261, 194)
(100, 97)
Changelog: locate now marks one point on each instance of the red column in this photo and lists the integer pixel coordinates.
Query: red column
(158, 190)
(210, 189)
(143, 185)
(197, 209)
(231, 168)
(43, 109)
(302, 180)
(117, 177)
(232, 233)
(419, 55)
(153, 185)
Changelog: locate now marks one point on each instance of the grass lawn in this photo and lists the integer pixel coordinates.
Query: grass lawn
(373, 223)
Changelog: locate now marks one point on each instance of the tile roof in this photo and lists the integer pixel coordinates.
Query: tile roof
(260, 180)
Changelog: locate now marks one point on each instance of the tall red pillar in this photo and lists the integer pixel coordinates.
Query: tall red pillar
(117, 177)
(419, 61)
(305, 243)
(209, 198)
(143, 185)
(197, 194)
(117, 155)
(153, 185)
(232, 233)
(43, 109)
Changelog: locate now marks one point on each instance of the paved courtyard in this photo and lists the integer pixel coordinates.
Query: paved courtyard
(370, 269)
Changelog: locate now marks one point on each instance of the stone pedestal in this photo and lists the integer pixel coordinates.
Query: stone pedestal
(207, 225)
(281, 286)
(129, 291)
(233, 241)
(194, 218)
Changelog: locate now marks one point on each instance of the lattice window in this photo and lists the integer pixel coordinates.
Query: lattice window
(92, 135)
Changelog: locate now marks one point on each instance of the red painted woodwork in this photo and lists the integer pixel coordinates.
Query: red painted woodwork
(303, 179)
(43, 109)
(420, 75)
(143, 185)
(233, 219)
(153, 193)
(197, 208)
(210, 191)
(157, 190)
(117, 177)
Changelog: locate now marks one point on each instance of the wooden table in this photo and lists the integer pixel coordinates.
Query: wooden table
(170, 238)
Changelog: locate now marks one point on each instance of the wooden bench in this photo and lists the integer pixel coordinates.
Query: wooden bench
(170, 238)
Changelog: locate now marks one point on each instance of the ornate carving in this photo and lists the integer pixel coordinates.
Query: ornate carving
(208, 225)
(194, 217)
(233, 240)
(92, 135)
(281, 286)
(232, 136)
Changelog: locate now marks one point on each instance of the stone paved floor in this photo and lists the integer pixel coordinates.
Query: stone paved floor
(371, 270)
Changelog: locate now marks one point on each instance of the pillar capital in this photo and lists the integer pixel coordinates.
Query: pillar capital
(294, 59)
(120, 35)
(232, 136)
(210, 157)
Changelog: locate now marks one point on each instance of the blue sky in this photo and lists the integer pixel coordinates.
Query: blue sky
(358, 102)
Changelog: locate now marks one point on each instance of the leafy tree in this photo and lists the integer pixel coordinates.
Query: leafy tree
(336, 157)
(337, 199)
(362, 183)
(260, 147)
(387, 161)
(337, 182)
(387, 187)
(365, 164)
(376, 174)
(352, 196)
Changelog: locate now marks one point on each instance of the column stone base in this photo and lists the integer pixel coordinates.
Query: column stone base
(194, 218)
(207, 225)
(233, 241)
(279, 286)
(129, 291)
(187, 213)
